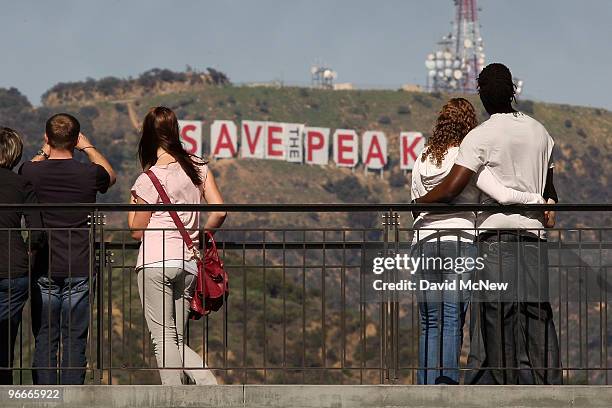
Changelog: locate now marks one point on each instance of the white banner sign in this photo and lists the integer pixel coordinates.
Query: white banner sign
(411, 143)
(374, 150)
(346, 148)
(253, 139)
(191, 136)
(223, 139)
(297, 143)
(293, 135)
(275, 141)
(316, 145)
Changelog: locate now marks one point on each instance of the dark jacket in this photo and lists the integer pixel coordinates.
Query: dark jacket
(14, 259)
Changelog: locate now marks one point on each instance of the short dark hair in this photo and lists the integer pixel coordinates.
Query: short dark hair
(63, 131)
(11, 147)
(496, 88)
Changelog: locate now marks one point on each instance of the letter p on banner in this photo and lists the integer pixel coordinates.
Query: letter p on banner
(316, 145)
(223, 139)
(191, 136)
(411, 144)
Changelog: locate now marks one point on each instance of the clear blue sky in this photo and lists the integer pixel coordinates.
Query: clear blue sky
(561, 48)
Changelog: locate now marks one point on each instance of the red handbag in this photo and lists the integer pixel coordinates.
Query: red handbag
(212, 283)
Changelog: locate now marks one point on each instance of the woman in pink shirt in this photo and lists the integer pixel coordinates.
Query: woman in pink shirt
(166, 270)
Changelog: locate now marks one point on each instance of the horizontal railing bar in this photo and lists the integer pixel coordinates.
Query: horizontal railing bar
(288, 208)
(231, 245)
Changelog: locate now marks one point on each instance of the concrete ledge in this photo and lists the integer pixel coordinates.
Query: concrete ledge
(311, 396)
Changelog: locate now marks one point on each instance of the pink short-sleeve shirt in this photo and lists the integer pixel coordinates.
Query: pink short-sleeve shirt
(161, 240)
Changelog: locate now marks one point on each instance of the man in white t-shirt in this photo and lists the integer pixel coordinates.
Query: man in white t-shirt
(517, 149)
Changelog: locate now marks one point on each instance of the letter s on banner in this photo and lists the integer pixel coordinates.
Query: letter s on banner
(253, 139)
(191, 136)
(411, 144)
(374, 150)
(316, 145)
(346, 148)
(293, 142)
(223, 139)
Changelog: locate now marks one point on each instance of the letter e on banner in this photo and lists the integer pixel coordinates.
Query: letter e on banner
(223, 139)
(275, 143)
(191, 136)
(346, 149)
(293, 135)
(316, 145)
(374, 150)
(253, 139)
(411, 144)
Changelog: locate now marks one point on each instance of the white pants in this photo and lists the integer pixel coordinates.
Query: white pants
(165, 295)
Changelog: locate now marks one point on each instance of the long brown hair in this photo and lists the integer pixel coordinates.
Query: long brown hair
(160, 129)
(455, 120)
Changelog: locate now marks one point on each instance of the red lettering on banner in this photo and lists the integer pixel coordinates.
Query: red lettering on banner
(342, 149)
(193, 146)
(310, 136)
(252, 143)
(275, 141)
(224, 141)
(409, 149)
(375, 152)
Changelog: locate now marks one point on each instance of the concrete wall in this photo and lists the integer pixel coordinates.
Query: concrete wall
(310, 396)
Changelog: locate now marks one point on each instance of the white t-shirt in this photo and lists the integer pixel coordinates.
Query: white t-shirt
(518, 151)
(443, 226)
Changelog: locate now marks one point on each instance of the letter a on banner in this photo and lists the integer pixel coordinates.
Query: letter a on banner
(223, 139)
(191, 136)
(275, 141)
(411, 144)
(293, 139)
(253, 139)
(316, 145)
(374, 150)
(346, 149)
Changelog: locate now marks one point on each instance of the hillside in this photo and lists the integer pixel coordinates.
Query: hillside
(582, 134)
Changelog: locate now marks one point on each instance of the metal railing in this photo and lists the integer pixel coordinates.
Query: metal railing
(299, 309)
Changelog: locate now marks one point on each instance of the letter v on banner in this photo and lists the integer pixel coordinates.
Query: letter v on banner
(253, 139)
(411, 144)
(223, 139)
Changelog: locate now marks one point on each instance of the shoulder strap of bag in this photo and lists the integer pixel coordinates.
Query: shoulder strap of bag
(175, 217)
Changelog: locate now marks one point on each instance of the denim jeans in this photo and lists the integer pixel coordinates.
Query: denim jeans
(13, 296)
(442, 314)
(60, 306)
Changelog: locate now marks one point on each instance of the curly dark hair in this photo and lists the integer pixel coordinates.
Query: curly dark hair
(455, 120)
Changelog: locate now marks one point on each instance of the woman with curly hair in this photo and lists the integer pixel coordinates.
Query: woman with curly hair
(448, 236)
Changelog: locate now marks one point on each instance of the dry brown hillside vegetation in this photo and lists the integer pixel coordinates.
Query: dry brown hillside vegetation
(583, 136)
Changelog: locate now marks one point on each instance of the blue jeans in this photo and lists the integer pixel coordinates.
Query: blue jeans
(60, 306)
(13, 296)
(442, 313)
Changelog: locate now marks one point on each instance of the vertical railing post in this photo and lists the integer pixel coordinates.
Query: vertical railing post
(98, 225)
(390, 304)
